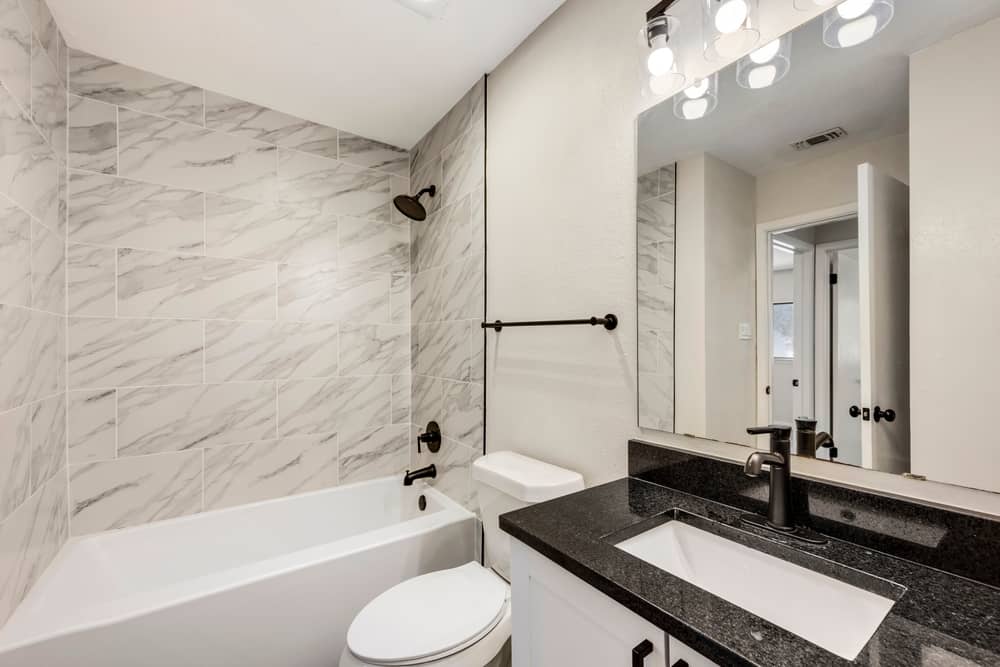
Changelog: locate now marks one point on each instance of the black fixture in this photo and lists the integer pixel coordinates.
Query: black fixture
(410, 206)
(422, 502)
(779, 503)
(659, 9)
(879, 414)
(431, 438)
(779, 461)
(640, 652)
(808, 442)
(430, 472)
(609, 322)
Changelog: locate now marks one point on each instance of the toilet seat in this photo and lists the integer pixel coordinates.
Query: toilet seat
(430, 617)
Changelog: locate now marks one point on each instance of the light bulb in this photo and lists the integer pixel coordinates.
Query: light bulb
(731, 15)
(857, 31)
(766, 53)
(694, 109)
(697, 90)
(661, 59)
(762, 77)
(852, 9)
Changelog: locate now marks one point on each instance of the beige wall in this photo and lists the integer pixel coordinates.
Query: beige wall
(827, 181)
(955, 258)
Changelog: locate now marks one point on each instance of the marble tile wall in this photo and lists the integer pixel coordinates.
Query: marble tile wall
(33, 405)
(448, 303)
(656, 252)
(238, 301)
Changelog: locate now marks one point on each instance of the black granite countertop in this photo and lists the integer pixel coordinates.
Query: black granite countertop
(938, 619)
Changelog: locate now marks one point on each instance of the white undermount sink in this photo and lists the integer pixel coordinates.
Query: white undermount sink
(836, 616)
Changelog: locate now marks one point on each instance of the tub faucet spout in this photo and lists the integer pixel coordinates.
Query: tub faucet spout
(428, 472)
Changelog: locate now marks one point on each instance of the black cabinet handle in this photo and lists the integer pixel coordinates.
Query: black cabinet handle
(642, 651)
(855, 411)
(888, 415)
(680, 663)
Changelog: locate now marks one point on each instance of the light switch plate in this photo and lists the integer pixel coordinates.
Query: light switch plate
(746, 331)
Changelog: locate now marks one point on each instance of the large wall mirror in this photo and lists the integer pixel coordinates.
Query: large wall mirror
(818, 239)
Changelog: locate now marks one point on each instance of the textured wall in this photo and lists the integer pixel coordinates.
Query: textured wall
(33, 522)
(448, 257)
(238, 301)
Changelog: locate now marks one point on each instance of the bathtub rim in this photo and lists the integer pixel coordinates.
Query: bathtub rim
(190, 590)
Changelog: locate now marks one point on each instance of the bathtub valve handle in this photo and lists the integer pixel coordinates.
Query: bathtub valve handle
(432, 438)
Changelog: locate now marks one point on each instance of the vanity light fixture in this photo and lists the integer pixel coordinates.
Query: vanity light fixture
(808, 5)
(698, 100)
(659, 58)
(854, 22)
(731, 27)
(767, 65)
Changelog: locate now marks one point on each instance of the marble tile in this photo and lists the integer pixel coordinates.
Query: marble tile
(92, 424)
(118, 212)
(110, 353)
(48, 439)
(648, 186)
(476, 337)
(29, 169)
(341, 405)
(372, 453)
(93, 135)
(15, 254)
(401, 398)
(269, 350)
(454, 471)
(372, 246)
(165, 419)
(332, 186)
(398, 185)
(429, 175)
(263, 470)
(428, 296)
(106, 495)
(90, 277)
(647, 351)
(15, 52)
(234, 116)
(463, 164)
(42, 22)
(374, 349)
(399, 298)
(250, 230)
(319, 293)
(32, 355)
(461, 289)
(48, 270)
(427, 399)
(462, 413)
(29, 539)
(107, 81)
(655, 222)
(656, 402)
(442, 349)
(158, 284)
(655, 301)
(467, 111)
(373, 154)
(161, 151)
(15, 459)
(668, 183)
(446, 236)
(48, 99)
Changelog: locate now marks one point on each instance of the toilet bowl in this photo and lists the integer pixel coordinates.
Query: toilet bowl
(459, 617)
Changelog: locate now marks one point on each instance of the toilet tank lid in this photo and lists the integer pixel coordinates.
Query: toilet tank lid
(525, 478)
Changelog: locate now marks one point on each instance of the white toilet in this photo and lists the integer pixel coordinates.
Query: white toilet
(459, 617)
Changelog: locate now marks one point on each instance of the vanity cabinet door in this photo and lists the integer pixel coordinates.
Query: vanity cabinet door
(561, 621)
(682, 655)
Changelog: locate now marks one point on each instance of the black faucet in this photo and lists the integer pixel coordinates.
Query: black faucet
(779, 460)
(428, 472)
(809, 442)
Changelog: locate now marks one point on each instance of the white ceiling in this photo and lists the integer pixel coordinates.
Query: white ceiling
(863, 89)
(371, 67)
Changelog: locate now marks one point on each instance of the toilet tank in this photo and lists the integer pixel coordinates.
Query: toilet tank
(506, 481)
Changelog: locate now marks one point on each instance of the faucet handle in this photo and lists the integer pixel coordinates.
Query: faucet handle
(782, 431)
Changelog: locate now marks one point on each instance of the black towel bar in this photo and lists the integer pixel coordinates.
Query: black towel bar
(609, 322)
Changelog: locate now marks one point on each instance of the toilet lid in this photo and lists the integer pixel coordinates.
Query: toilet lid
(429, 616)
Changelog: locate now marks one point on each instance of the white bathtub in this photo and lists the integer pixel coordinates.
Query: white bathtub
(275, 584)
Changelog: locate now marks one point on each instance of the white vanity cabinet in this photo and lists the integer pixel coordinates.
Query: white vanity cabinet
(561, 621)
